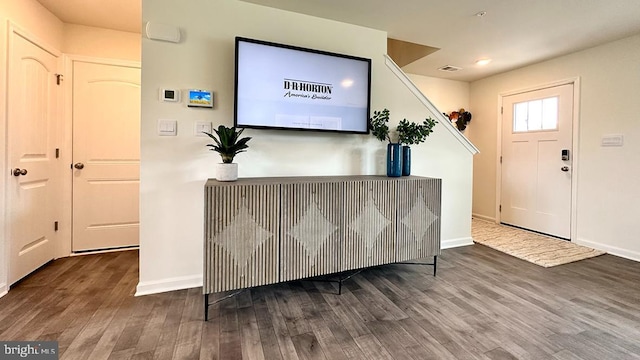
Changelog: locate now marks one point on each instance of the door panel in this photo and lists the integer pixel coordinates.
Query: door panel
(535, 191)
(31, 150)
(106, 155)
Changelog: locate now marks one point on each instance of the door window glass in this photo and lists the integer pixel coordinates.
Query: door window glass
(536, 115)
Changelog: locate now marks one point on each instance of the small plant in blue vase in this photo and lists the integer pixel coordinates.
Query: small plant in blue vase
(412, 134)
(409, 133)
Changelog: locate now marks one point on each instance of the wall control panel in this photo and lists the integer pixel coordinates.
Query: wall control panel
(170, 95)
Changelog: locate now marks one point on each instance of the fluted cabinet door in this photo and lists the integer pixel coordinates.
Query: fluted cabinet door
(241, 233)
(418, 206)
(260, 231)
(311, 229)
(369, 223)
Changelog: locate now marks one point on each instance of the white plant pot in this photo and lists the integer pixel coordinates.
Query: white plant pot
(227, 172)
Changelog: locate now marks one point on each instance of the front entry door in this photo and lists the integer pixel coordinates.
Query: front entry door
(106, 156)
(536, 160)
(32, 100)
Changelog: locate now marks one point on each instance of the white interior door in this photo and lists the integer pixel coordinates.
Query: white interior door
(536, 181)
(106, 156)
(32, 110)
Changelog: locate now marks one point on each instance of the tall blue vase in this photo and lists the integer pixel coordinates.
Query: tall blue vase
(394, 160)
(406, 160)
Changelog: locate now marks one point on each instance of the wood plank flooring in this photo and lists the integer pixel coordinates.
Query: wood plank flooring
(482, 305)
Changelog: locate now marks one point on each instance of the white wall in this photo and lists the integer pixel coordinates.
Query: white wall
(608, 196)
(30, 16)
(174, 169)
(446, 95)
(101, 43)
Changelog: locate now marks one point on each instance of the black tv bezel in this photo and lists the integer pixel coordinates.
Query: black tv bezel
(298, 48)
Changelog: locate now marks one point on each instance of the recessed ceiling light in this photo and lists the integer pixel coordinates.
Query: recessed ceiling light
(482, 62)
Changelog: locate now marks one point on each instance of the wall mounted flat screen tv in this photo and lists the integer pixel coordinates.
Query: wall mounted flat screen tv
(286, 87)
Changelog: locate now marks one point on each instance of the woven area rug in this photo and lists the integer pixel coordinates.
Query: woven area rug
(538, 249)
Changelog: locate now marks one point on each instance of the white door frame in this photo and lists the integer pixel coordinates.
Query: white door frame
(66, 156)
(574, 147)
(12, 31)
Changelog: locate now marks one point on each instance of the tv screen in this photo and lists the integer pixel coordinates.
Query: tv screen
(286, 87)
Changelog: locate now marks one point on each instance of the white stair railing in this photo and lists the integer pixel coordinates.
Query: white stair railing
(429, 105)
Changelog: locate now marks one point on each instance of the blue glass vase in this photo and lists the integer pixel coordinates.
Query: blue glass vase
(406, 160)
(394, 160)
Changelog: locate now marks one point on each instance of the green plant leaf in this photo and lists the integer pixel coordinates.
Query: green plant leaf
(378, 125)
(227, 142)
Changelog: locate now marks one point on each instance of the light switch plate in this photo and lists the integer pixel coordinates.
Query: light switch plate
(167, 127)
(202, 126)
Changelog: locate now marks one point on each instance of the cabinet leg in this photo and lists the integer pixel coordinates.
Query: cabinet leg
(435, 264)
(206, 307)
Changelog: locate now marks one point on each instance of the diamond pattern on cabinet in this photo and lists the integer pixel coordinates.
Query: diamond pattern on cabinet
(242, 237)
(313, 230)
(370, 223)
(419, 218)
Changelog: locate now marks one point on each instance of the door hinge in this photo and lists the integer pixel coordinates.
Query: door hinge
(57, 153)
(55, 226)
(500, 208)
(501, 110)
(500, 159)
(59, 79)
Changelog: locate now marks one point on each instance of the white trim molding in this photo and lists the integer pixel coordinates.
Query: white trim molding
(484, 218)
(454, 243)
(4, 289)
(429, 105)
(171, 284)
(612, 250)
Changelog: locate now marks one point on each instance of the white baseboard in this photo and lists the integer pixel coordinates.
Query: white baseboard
(483, 217)
(171, 284)
(453, 243)
(631, 255)
(187, 282)
(4, 289)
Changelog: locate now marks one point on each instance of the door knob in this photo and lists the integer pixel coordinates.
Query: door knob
(78, 166)
(18, 172)
(564, 168)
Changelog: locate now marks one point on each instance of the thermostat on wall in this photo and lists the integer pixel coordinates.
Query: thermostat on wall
(170, 95)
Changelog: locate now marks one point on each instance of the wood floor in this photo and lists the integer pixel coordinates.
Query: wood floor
(482, 305)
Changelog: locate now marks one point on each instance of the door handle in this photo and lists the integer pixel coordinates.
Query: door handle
(564, 168)
(78, 166)
(18, 172)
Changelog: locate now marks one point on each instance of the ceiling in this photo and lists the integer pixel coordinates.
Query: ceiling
(122, 15)
(511, 33)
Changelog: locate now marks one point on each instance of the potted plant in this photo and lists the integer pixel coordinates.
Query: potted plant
(412, 134)
(409, 133)
(380, 129)
(228, 144)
